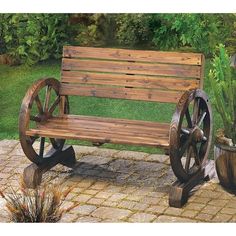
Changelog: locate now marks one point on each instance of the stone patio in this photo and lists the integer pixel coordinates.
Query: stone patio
(121, 186)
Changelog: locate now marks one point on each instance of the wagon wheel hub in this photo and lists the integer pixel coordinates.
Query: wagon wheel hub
(196, 134)
(44, 116)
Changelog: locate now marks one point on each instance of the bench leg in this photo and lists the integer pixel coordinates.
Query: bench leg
(179, 191)
(33, 173)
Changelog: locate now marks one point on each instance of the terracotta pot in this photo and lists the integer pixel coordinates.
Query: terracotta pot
(225, 159)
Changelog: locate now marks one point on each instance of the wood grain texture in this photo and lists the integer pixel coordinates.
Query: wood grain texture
(133, 55)
(202, 72)
(190, 144)
(32, 96)
(127, 67)
(121, 93)
(120, 74)
(112, 125)
(136, 81)
(225, 160)
(104, 130)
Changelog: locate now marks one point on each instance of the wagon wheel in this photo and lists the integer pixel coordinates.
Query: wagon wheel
(190, 134)
(41, 102)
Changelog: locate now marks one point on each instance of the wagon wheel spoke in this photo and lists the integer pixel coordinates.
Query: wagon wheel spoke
(196, 155)
(184, 147)
(195, 111)
(54, 105)
(32, 139)
(42, 144)
(188, 118)
(188, 158)
(185, 131)
(47, 98)
(201, 118)
(39, 104)
(35, 118)
(54, 143)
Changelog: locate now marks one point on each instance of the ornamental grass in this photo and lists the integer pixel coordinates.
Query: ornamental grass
(43, 204)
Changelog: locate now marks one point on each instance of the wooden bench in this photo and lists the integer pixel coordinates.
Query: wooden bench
(152, 76)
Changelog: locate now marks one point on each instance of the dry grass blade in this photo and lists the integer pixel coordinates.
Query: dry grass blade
(43, 204)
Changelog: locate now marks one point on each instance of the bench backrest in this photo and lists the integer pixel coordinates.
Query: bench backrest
(130, 74)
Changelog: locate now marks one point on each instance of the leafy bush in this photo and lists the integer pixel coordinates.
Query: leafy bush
(231, 40)
(30, 38)
(134, 29)
(43, 204)
(202, 32)
(223, 84)
(96, 29)
(197, 32)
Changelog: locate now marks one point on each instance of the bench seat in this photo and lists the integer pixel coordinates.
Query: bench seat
(104, 130)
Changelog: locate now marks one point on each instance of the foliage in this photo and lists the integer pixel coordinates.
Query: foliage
(231, 40)
(223, 84)
(35, 37)
(30, 38)
(96, 29)
(42, 204)
(197, 32)
(202, 32)
(134, 29)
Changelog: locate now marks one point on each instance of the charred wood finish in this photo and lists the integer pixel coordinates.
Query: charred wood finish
(190, 134)
(225, 159)
(43, 114)
(33, 173)
(168, 77)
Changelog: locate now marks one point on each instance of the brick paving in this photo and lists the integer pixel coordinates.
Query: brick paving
(120, 186)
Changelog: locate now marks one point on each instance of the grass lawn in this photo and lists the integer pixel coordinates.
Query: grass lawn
(14, 82)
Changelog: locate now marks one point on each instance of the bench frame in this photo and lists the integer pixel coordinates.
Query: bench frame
(194, 139)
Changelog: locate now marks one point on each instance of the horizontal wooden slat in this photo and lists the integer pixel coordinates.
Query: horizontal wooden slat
(113, 121)
(108, 131)
(136, 55)
(153, 129)
(105, 130)
(138, 81)
(121, 93)
(132, 68)
(103, 139)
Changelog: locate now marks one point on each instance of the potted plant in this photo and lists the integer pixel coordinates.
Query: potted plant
(223, 85)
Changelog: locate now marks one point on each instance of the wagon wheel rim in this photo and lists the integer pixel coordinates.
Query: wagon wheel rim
(190, 134)
(44, 110)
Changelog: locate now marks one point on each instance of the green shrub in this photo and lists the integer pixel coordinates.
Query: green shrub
(202, 32)
(231, 40)
(30, 38)
(223, 84)
(96, 29)
(134, 29)
(196, 32)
